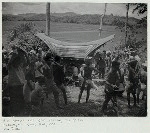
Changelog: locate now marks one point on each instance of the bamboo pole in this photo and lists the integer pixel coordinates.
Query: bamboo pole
(48, 19)
(101, 21)
(126, 25)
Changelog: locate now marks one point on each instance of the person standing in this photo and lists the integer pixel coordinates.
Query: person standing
(133, 82)
(101, 67)
(143, 82)
(75, 72)
(28, 87)
(16, 80)
(87, 79)
(49, 78)
(38, 68)
(59, 76)
(112, 84)
(109, 61)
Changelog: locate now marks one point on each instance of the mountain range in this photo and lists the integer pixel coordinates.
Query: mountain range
(71, 17)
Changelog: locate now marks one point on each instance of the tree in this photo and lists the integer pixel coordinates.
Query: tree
(141, 8)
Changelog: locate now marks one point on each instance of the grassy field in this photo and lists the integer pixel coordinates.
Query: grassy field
(65, 31)
(80, 33)
(70, 32)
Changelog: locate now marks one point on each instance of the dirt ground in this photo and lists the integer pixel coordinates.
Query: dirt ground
(92, 108)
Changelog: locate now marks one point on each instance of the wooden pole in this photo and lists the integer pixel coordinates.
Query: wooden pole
(101, 21)
(48, 19)
(126, 25)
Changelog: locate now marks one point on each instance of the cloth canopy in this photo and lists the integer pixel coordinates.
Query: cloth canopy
(73, 50)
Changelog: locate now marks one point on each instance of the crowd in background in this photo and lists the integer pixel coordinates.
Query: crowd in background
(30, 74)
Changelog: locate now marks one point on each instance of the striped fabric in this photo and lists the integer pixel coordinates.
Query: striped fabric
(73, 50)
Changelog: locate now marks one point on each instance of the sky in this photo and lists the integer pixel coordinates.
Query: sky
(79, 8)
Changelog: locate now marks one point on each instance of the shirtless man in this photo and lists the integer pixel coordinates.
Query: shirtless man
(87, 78)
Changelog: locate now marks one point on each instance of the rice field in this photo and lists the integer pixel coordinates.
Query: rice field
(70, 32)
(79, 33)
(66, 31)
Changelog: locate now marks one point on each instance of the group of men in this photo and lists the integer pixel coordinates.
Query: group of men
(33, 75)
(122, 72)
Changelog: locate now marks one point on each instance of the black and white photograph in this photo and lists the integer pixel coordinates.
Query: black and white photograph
(74, 59)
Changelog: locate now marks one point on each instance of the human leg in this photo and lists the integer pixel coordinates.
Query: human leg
(55, 93)
(134, 97)
(62, 87)
(128, 99)
(88, 93)
(107, 99)
(81, 91)
(16, 100)
(114, 101)
(100, 73)
(138, 94)
(103, 72)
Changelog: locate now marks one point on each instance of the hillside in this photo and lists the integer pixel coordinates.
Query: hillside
(70, 17)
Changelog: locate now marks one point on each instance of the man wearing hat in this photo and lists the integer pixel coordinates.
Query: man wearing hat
(112, 83)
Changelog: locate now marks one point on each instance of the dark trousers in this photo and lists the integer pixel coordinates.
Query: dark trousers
(108, 97)
(16, 100)
(82, 89)
(132, 90)
(101, 72)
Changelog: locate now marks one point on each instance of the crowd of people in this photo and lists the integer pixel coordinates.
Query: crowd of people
(30, 75)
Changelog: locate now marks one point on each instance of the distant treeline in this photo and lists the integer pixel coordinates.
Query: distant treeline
(76, 18)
